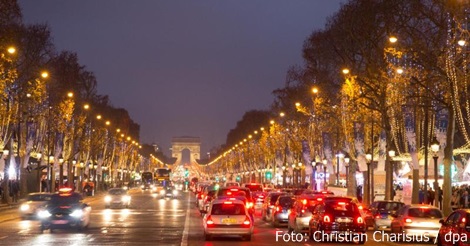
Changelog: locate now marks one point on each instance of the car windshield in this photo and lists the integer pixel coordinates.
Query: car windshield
(117, 192)
(425, 213)
(274, 198)
(39, 197)
(341, 208)
(228, 209)
(65, 199)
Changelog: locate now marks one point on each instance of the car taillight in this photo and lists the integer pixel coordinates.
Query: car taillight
(303, 210)
(209, 221)
(408, 220)
(359, 220)
(304, 202)
(247, 222)
(377, 216)
(326, 219)
(278, 208)
(249, 204)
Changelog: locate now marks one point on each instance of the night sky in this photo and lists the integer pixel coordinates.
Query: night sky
(184, 68)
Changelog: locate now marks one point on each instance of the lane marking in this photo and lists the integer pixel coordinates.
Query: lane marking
(184, 240)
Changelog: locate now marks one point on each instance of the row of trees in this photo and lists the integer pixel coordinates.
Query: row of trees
(385, 66)
(50, 107)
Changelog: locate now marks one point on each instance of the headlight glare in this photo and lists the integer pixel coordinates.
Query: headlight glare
(24, 207)
(126, 198)
(175, 192)
(44, 214)
(162, 192)
(77, 213)
(107, 198)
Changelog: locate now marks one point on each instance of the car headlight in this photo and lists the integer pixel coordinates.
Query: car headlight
(107, 198)
(142, 186)
(77, 213)
(24, 207)
(126, 198)
(162, 192)
(154, 188)
(44, 214)
(175, 192)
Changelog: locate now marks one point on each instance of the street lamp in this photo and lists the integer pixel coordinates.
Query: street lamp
(61, 170)
(324, 173)
(346, 160)
(392, 154)
(338, 156)
(51, 178)
(435, 146)
(367, 180)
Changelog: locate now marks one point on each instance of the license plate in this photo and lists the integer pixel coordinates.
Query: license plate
(229, 221)
(343, 220)
(60, 222)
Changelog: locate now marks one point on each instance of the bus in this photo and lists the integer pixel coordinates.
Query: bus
(147, 180)
(162, 176)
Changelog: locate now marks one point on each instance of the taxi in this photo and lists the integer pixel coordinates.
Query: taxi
(228, 217)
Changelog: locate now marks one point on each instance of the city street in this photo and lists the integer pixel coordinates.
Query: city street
(149, 221)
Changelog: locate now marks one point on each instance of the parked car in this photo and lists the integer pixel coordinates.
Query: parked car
(33, 202)
(417, 220)
(228, 217)
(455, 229)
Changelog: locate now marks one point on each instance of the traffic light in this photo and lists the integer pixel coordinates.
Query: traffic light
(268, 175)
(186, 173)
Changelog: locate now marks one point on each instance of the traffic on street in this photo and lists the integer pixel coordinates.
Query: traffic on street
(154, 220)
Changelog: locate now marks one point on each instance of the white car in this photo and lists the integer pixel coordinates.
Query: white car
(228, 217)
(117, 197)
(34, 201)
(417, 219)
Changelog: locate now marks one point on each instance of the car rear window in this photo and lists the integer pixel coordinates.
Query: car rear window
(389, 206)
(424, 213)
(341, 208)
(39, 198)
(286, 201)
(254, 187)
(228, 209)
(232, 192)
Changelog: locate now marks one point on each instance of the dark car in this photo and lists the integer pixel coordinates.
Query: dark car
(65, 210)
(335, 215)
(169, 192)
(281, 209)
(383, 212)
(268, 205)
(455, 229)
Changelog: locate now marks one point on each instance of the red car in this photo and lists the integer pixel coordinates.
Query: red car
(455, 229)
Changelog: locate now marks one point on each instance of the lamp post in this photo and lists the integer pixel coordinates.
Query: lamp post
(338, 156)
(283, 176)
(51, 178)
(39, 172)
(324, 173)
(6, 175)
(346, 160)
(299, 174)
(61, 171)
(392, 153)
(435, 146)
(314, 175)
(366, 186)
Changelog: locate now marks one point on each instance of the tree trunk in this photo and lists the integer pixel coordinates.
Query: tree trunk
(448, 157)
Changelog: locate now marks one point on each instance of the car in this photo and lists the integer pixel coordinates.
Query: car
(34, 201)
(169, 192)
(416, 220)
(208, 197)
(455, 229)
(117, 197)
(228, 217)
(268, 205)
(301, 212)
(334, 216)
(64, 210)
(281, 209)
(383, 212)
(241, 193)
(227, 184)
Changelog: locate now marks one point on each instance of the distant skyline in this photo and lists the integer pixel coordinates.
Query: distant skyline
(184, 68)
